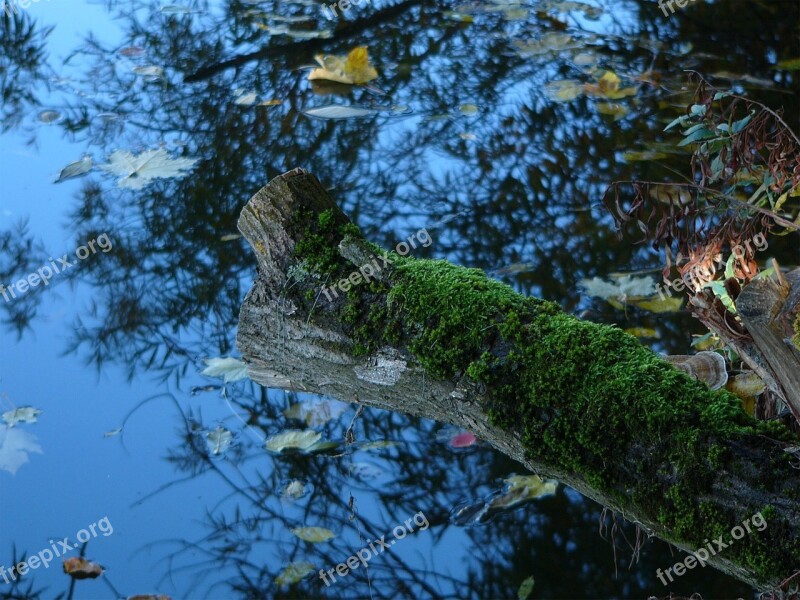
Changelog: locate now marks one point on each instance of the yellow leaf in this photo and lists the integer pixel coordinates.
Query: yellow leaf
(643, 332)
(357, 66)
(313, 534)
(609, 82)
(657, 305)
(352, 69)
(563, 91)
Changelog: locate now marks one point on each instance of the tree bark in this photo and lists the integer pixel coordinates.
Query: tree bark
(573, 400)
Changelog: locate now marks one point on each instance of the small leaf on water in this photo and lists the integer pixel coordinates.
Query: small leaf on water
(634, 155)
(525, 589)
(563, 91)
(148, 71)
(78, 567)
(792, 64)
(75, 169)
(229, 237)
(656, 304)
(353, 69)
(136, 171)
(339, 112)
(293, 438)
(25, 414)
(218, 440)
(247, 99)
(230, 369)
(643, 332)
(623, 287)
(463, 440)
(313, 534)
(468, 109)
(49, 116)
(294, 490)
(294, 572)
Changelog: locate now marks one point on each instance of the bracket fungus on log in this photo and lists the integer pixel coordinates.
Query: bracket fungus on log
(580, 402)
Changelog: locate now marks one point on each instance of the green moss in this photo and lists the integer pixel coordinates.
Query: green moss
(581, 395)
(796, 338)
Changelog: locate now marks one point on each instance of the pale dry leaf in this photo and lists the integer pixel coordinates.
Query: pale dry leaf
(230, 369)
(137, 171)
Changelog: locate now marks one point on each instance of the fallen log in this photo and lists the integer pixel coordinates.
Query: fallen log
(577, 401)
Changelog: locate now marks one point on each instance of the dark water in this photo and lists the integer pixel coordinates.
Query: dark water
(467, 142)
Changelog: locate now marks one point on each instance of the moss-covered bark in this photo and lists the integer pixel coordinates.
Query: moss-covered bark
(586, 402)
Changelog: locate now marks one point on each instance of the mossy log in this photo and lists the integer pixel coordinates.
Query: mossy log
(584, 403)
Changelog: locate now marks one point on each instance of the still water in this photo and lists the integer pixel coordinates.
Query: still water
(134, 132)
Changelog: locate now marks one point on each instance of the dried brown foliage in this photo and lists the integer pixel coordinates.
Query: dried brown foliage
(745, 165)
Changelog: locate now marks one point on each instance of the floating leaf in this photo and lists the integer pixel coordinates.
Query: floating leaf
(612, 109)
(247, 99)
(550, 42)
(457, 16)
(353, 69)
(78, 567)
(148, 71)
(463, 440)
(15, 445)
(468, 109)
(792, 64)
(526, 588)
(49, 116)
(75, 169)
(230, 369)
(608, 87)
(643, 332)
(338, 112)
(565, 90)
(293, 438)
(622, 288)
(584, 59)
(634, 155)
(521, 489)
(218, 440)
(229, 237)
(25, 414)
(315, 413)
(294, 490)
(138, 171)
(378, 445)
(314, 534)
(655, 304)
(132, 52)
(294, 572)
(270, 103)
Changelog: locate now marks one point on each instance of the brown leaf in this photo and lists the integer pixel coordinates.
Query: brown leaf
(79, 568)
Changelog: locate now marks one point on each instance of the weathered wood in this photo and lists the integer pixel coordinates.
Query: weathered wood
(580, 402)
(764, 308)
